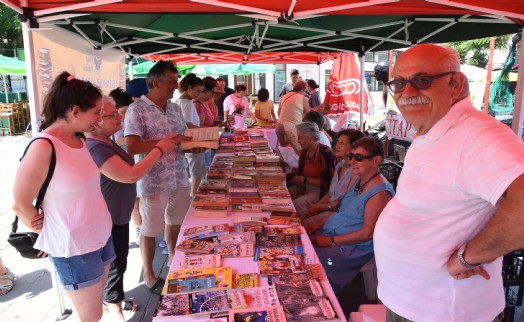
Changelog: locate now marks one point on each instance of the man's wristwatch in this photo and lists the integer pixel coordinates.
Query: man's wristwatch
(462, 261)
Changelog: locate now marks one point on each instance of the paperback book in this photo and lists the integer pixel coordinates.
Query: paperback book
(260, 296)
(261, 314)
(310, 310)
(235, 244)
(277, 251)
(223, 276)
(245, 280)
(278, 240)
(200, 261)
(195, 246)
(280, 264)
(206, 231)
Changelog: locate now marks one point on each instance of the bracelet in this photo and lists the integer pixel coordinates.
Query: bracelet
(161, 151)
(333, 244)
(462, 260)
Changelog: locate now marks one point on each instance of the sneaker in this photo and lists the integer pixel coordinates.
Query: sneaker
(165, 251)
(137, 235)
(162, 243)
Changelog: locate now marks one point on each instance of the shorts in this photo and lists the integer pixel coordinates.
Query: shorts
(81, 271)
(197, 164)
(169, 206)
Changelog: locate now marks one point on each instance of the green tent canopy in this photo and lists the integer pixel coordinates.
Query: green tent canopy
(234, 69)
(11, 66)
(140, 70)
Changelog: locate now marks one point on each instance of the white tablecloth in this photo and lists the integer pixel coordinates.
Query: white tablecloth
(247, 264)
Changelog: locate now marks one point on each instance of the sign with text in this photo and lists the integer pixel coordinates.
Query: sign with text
(398, 128)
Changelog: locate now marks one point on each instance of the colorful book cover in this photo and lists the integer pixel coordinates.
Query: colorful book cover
(248, 219)
(207, 302)
(210, 200)
(276, 251)
(190, 284)
(310, 310)
(262, 314)
(279, 230)
(207, 231)
(195, 246)
(171, 306)
(260, 296)
(235, 244)
(256, 227)
(280, 264)
(246, 280)
(313, 271)
(278, 240)
(223, 276)
(302, 289)
(281, 220)
(200, 261)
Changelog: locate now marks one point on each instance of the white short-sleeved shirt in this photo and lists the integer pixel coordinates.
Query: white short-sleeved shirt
(453, 179)
(232, 100)
(148, 121)
(189, 111)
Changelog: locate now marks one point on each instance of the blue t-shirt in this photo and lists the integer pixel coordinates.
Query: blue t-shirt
(120, 197)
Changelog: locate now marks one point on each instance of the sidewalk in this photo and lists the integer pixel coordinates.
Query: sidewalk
(33, 297)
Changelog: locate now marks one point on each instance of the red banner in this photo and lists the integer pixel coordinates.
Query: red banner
(343, 92)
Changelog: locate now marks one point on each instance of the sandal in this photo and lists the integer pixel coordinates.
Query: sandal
(130, 306)
(6, 288)
(8, 274)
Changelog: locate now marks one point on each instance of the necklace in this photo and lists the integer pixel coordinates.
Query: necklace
(360, 188)
(311, 159)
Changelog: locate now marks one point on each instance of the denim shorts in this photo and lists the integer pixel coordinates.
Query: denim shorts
(81, 271)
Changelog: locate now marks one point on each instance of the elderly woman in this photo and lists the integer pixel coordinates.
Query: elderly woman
(315, 168)
(344, 242)
(117, 181)
(291, 110)
(342, 178)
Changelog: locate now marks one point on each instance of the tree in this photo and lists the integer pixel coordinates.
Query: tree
(10, 30)
(475, 52)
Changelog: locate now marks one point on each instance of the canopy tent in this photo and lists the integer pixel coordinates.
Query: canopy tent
(11, 66)
(141, 70)
(232, 30)
(234, 69)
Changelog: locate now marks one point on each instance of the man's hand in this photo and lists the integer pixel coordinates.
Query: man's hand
(321, 241)
(457, 271)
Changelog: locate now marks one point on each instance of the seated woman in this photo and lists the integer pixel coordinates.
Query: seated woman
(342, 178)
(344, 242)
(264, 108)
(316, 166)
(318, 119)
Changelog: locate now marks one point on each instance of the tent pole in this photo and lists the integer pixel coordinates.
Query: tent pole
(32, 90)
(488, 77)
(362, 89)
(518, 109)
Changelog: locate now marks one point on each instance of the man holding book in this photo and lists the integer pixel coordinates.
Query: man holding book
(164, 191)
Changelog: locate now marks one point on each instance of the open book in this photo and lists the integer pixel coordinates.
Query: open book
(203, 137)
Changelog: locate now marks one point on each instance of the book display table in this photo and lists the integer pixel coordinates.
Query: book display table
(245, 265)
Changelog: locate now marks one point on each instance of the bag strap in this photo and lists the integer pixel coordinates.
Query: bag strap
(43, 189)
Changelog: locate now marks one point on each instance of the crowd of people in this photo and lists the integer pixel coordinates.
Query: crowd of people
(437, 240)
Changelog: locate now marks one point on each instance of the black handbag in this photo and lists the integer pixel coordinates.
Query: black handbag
(24, 241)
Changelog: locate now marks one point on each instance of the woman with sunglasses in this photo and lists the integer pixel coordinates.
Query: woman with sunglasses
(316, 166)
(74, 222)
(342, 178)
(344, 242)
(119, 174)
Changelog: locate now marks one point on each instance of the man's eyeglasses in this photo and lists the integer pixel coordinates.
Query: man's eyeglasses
(113, 115)
(359, 157)
(419, 82)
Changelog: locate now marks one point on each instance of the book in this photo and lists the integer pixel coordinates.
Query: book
(245, 280)
(261, 314)
(213, 185)
(313, 271)
(276, 251)
(223, 276)
(235, 244)
(310, 310)
(268, 204)
(197, 303)
(195, 246)
(283, 220)
(256, 227)
(246, 204)
(200, 261)
(249, 219)
(206, 231)
(218, 174)
(301, 289)
(202, 137)
(280, 264)
(278, 240)
(210, 200)
(282, 230)
(260, 296)
(190, 284)
(210, 212)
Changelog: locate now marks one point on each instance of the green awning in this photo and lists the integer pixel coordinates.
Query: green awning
(141, 70)
(11, 66)
(234, 69)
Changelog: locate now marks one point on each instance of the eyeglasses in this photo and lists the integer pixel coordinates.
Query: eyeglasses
(419, 82)
(113, 115)
(359, 157)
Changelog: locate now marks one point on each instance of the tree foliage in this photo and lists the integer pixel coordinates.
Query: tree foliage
(10, 30)
(476, 52)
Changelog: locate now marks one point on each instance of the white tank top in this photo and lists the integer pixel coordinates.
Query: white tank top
(76, 218)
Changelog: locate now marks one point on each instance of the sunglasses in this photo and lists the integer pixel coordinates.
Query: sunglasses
(419, 82)
(359, 157)
(113, 115)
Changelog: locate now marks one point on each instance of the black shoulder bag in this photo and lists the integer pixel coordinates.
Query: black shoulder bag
(24, 242)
